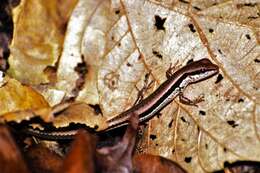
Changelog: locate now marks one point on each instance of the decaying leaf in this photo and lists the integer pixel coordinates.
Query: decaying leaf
(81, 157)
(242, 167)
(72, 55)
(11, 160)
(39, 45)
(41, 159)
(118, 158)
(145, 162)
(147, 36)
(243, 12)
(61, 115)
(17, 97)
(79, 113)
(109, 48)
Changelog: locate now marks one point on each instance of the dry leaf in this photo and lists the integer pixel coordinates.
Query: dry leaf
(41, 159)
(144, 163)
(120, 41)
(42, 25)
(16, 97)
(109, 48)
(61, 115)
(71, 55)
(81, 157)
(11, 160)
(79, 113)
(118, 157)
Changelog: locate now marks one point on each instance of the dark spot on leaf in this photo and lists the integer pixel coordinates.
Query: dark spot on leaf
(173, 150)
(119, 44)
(158, 115)
(128, 64)
(170, 124)
(192, 29)
(111, 80)
(241, 100)
(139, 57)
(250, 4)
(156, 144)
(96, 108)
(227, 164)
(183, 1)
(206, 146)
(157, 54)
(153, 137)
(225, 150)
(182, 139)
(219, 78)
(58, 113)
(112, 38)
(196, 8)
(147, 75)
(248, 37)
(96, 127)
(201, 112)
(117, 11)
(232, 123)
(227, 99)
(50, 71)
(183, 119)
(159, 22)
(219, 50)
(187, 159)
(64, 27)
(257, 60)
(252, 17)
(190, 61)
(211, 30)
(81, 68)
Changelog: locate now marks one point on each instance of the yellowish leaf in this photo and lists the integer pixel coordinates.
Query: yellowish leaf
(61, 115)
(16, 97)
(80, 113)
(37, 40)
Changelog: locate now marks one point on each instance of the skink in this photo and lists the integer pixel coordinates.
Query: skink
(146, 109)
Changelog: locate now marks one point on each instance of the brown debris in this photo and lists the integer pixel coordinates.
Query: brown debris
(85, 157)
(118, 158)
(243, 167)
(41, 159)
(145, 162)
(80, 158)
(11, 160)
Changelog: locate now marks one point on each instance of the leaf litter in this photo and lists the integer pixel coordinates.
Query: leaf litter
(119, 42)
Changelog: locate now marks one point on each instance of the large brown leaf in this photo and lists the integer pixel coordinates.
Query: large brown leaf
(120, 41)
